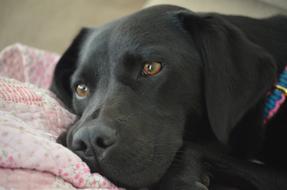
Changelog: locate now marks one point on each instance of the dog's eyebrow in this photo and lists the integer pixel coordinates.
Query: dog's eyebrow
(84, 75)
(90, 42)
(130, 57)
(141, 55)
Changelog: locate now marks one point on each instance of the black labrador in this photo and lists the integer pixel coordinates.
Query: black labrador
(171, 99)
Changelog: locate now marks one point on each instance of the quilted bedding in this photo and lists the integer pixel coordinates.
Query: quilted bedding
(30, 120)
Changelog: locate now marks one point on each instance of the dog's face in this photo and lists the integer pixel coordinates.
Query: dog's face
(136, 84)
(138, 94)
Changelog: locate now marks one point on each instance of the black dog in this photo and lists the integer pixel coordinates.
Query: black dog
(152, 87)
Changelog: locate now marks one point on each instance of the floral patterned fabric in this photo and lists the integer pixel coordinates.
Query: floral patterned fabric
(28, 64)
(30, 120)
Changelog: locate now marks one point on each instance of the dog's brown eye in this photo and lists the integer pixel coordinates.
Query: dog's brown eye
(151, 68)
(82, 90)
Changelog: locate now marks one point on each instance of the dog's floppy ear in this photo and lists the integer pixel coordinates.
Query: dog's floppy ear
(65, 68)
(237, 72)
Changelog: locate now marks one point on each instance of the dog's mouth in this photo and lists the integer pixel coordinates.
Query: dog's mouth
(95, 166)
(131, 162)
(128, 169)
(91, 161)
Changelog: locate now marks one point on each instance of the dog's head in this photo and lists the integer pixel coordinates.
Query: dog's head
(139, 83)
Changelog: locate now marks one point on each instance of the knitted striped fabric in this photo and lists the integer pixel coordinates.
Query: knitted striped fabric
(276, 98)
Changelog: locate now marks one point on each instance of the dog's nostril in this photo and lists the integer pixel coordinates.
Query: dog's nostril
(80, 146)
(103, 143)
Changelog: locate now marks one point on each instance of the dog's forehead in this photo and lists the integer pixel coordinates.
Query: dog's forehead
(152, 27)
(147, 26)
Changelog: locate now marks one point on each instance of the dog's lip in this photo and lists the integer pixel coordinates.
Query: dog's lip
(91, 161)
(93, 165)
(201, 185)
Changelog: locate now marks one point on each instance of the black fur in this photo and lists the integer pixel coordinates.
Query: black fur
(156, 132)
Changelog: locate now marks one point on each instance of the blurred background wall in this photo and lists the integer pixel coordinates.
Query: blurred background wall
(51, 24)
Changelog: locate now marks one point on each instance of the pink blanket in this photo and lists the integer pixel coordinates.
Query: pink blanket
(30, 120)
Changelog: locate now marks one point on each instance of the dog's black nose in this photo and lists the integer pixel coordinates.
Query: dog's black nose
(93, 140)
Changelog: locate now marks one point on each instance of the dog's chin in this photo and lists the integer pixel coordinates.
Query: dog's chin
(131, 175)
